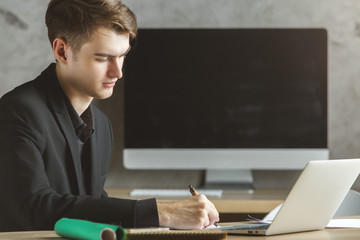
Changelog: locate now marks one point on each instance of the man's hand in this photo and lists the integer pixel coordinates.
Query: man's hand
(196, 212)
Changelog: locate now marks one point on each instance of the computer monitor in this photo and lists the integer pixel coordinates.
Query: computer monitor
(226, 100)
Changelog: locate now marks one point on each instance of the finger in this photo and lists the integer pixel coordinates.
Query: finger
(207, 222)
(213, 213)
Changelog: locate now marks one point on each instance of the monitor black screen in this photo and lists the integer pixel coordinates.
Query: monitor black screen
(227, 88)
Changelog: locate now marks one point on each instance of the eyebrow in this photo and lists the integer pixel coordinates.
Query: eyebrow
(109, 55)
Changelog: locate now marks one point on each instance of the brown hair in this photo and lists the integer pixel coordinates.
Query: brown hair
(76, 20)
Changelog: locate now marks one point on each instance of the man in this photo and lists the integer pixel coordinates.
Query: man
(55, 145)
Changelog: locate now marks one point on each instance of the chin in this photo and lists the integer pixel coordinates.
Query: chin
(104, 95)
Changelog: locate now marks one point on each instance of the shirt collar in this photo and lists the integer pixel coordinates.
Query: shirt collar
(84, 125)
(74, 116)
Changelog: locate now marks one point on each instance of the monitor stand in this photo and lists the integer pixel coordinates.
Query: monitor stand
(236, 179)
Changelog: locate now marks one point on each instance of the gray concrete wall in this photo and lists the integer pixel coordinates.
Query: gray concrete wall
(25, 51)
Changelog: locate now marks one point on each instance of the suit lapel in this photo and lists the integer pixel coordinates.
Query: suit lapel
(95, 168)
(69, 133)
(57, 102)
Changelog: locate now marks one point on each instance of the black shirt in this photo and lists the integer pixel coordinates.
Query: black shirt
(146, 214)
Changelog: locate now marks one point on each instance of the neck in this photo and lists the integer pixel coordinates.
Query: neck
(79, 102)
(79, 106)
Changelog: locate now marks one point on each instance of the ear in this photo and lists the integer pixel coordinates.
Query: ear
(60, 48)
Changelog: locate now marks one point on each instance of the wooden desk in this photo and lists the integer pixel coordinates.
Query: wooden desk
(326, 234)
(233, 205)
(261, 201)
(231, 202)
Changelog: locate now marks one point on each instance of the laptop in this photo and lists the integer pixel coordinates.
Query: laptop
(312, 202)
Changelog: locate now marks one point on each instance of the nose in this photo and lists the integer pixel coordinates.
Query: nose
(115, 68)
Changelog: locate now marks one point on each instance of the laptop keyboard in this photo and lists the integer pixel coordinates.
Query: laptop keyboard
(247, 227)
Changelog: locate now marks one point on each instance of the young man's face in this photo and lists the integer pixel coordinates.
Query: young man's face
(97, 66)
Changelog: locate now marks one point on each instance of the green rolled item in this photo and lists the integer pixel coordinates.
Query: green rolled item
(82, 229)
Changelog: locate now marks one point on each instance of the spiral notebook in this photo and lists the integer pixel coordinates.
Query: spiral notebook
(149, 234)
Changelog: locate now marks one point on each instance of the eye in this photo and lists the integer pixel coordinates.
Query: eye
(102, 59)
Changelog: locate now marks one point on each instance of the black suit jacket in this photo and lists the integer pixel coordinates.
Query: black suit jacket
(40, 172)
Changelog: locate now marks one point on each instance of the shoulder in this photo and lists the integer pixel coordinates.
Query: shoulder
(22, 115)
(32, 97)
(22, 97)
(31, 94)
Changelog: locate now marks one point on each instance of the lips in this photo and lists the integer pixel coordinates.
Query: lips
(109, 84)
